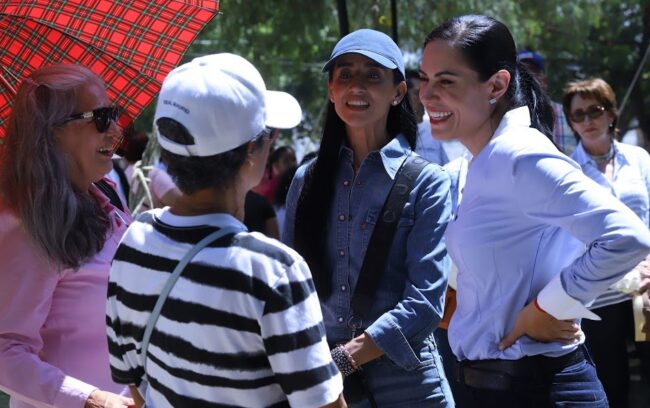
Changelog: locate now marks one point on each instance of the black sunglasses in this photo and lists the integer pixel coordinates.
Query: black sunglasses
(594, 112)
(101, 116)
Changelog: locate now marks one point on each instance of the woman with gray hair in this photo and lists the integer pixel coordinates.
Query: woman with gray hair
(60, 222)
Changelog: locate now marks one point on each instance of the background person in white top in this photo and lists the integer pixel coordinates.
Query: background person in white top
(242, 325)
(624, 170)
(523, 207)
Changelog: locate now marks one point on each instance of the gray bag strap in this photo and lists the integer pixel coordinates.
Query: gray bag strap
(171, 281)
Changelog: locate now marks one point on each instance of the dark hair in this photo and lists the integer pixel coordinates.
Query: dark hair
(69, 227)
(276, 155)
(487, 46)
(137, 143)
(411, 75)
(307, 157)
(318, 190)
(280, 197)
(597, 89)
(195, 173)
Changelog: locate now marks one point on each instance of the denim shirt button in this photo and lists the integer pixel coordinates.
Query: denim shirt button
(343, 288)
(341, 217)
(340, 319)
(342, 252)
(346, 183)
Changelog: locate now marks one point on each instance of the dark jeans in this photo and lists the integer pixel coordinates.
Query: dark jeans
(575, 385)
(449, 361)
(607, 341)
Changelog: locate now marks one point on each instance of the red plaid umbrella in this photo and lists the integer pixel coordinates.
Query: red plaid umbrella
(130, 44)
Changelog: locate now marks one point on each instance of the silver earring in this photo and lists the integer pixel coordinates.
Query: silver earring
(395, 102)
(492, 101)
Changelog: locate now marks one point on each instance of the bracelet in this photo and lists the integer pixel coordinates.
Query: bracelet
(344, 361)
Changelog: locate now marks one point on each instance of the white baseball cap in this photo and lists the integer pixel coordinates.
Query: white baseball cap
(222, 101)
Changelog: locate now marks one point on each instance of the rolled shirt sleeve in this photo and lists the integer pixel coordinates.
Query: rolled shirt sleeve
(294, 338)
(616, 239)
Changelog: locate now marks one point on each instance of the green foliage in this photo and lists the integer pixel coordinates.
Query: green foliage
(290, 40)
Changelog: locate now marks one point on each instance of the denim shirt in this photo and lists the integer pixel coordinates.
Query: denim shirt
(409, 300)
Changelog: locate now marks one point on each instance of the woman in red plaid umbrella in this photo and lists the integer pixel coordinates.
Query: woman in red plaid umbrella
(60, 223)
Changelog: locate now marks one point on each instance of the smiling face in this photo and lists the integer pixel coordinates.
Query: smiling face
(363, 91)
(592, 131)
(87, 151)
(452, 94)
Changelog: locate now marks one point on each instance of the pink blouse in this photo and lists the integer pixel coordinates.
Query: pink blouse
(53, 347)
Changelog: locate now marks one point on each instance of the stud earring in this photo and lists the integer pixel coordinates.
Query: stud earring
(492, 101)
(395, 102)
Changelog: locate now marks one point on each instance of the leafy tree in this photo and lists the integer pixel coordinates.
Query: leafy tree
(290, 40)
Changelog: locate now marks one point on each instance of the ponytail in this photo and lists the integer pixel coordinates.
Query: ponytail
(527, 91)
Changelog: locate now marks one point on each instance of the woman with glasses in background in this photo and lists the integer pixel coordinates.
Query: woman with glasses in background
(60, 223)
(624, 170)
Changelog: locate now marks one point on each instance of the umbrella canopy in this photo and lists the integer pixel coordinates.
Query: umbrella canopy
(131, 44)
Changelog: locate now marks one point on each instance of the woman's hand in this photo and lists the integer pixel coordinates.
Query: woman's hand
(105, 399)
(541, 326)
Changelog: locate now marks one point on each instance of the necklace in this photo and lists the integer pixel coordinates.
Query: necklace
(603, 158)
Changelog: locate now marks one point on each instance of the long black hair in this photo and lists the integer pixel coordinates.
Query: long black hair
(318, 190)
(487, 46)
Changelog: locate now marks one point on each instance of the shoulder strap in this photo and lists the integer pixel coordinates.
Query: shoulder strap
(110, 193)
(374, 263)
(171, 281)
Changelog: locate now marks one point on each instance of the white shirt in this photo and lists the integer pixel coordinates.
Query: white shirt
(527, 211)
(630, 183)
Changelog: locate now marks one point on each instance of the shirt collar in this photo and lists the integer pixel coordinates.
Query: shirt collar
(519, 117)
(392, 154)
(103, 201)
(105, 204)
(214, 219)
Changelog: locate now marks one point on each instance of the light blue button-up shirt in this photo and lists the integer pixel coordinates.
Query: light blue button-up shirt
(630, 183)
(526, 215)
(409, 300)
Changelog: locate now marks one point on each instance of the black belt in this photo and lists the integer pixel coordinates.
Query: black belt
(500, 374)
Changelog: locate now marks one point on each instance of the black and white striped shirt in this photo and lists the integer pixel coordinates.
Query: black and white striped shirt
(241, 327)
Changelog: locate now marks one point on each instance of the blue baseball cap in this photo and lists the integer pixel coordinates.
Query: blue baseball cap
(531, 57)
(373, 44)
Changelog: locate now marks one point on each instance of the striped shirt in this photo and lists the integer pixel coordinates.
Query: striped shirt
(241, 327)
(630, 184)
